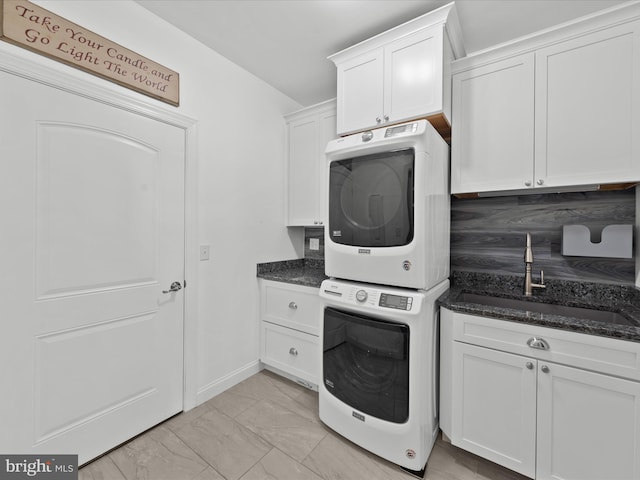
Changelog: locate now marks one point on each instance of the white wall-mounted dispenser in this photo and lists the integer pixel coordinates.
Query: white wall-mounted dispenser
(616, 241)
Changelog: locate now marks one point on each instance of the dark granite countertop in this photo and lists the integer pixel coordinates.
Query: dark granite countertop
(621, 299)
(303, 271)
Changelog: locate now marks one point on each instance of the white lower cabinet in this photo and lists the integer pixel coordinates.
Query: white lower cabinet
(547, 414)
(290, 323)
(494, 406)
(588, 425)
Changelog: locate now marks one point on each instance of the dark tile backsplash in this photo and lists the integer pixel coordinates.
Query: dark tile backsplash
(313, 232)
(488, 234)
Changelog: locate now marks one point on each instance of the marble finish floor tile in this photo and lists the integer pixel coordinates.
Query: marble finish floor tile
(101, 469)
(287, 430)
(228, 446)
(278, 466)
(158, 455)
(336, 458)
(267, 428)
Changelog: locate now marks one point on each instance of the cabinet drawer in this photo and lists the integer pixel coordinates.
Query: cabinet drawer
(292, 306)
(291, 351)
(590, 352)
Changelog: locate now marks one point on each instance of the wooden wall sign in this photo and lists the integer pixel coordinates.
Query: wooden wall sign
(34, 28)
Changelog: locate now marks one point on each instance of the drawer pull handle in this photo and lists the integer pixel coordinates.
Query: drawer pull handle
(292, 305)
(539, 343)
(293, 351)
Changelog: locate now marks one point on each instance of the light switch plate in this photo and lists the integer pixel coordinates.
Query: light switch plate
(204, 252)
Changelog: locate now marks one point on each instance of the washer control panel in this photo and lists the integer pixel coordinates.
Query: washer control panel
(399, 302)
(370, 296)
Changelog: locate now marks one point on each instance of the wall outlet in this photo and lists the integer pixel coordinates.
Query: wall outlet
(204, 252)
(314, 244)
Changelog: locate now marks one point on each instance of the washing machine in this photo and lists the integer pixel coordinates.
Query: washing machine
(379, 368)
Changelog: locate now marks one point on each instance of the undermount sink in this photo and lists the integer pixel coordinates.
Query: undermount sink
(548, 308)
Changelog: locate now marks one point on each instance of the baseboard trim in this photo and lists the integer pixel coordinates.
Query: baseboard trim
(216, 387)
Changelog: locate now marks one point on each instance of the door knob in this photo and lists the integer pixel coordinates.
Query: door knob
(175, 286)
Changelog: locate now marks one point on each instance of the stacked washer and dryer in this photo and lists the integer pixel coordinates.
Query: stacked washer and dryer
(387, 256)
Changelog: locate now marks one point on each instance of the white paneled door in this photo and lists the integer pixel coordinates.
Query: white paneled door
(91, 349)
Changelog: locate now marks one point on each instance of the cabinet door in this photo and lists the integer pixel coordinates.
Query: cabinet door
(588, 109)
(413, 72)
(308, 132)
(494, 406)
(588, 425)
(327, 132)
(493, 127)
(360, 82)
(302, 164)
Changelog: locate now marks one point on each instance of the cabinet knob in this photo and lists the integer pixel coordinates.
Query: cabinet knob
(293, 351)
(293, 305)
(544, 368)
(540, 181)
(378, 120)
(529, 365)
(386, 118)
(527, 183)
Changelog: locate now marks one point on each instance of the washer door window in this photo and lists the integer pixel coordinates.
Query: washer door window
(371, 199)
(366, 364)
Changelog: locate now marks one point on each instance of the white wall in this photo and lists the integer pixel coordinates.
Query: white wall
(240, 152)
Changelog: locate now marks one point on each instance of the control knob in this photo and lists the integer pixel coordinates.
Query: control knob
(361, 295)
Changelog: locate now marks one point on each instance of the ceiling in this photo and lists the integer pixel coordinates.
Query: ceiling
(286, 42)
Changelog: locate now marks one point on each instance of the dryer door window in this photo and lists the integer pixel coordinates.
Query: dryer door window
(366, 364)
(371, 199)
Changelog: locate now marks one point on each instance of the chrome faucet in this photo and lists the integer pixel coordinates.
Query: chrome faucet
(528, 262)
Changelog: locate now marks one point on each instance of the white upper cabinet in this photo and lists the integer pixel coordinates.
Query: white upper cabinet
(308, 132)
(493, 126)
(588, 109)
(400, 75)
(556, 111)
(360, 92)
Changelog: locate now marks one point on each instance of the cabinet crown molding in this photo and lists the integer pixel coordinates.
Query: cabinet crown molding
(619, 14)
(446, 15)
(326, 106)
